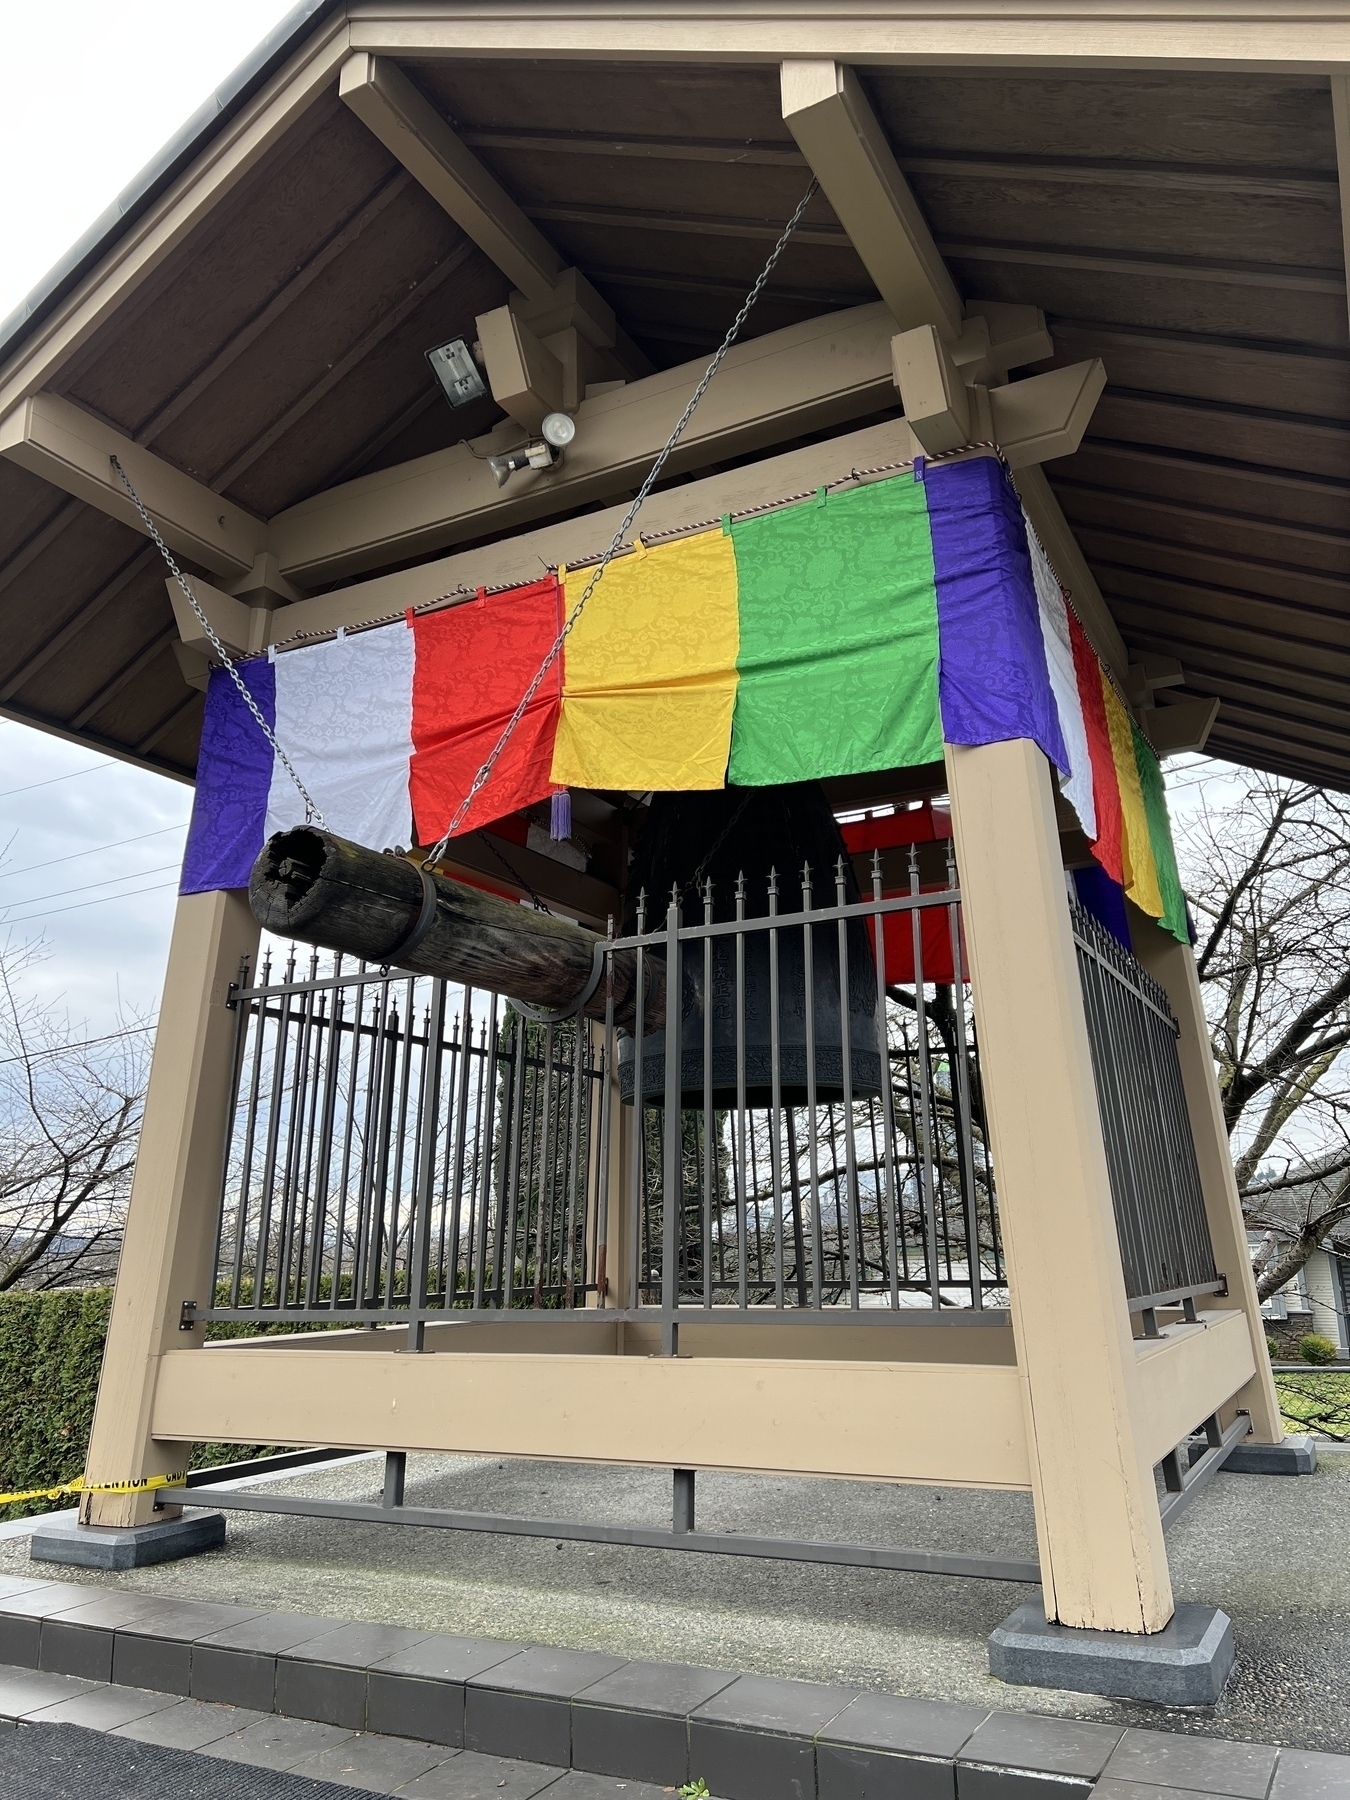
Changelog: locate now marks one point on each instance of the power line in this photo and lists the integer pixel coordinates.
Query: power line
(28, 918)
(93, 770)
(80, 1044)
(60, 893)
(95, 850)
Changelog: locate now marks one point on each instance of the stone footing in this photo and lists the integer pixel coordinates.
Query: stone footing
(1295, 1456)
(1185, 1664)
(127, 1546)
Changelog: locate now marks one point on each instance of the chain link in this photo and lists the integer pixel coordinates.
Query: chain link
(484, 774)
(312, 814)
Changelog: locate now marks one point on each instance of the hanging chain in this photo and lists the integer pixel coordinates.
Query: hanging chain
(484, 774)
(312, 814)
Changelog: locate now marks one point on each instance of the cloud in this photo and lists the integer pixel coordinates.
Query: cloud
(99, 906)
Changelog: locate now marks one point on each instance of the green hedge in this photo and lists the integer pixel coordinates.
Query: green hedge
(51, 1349)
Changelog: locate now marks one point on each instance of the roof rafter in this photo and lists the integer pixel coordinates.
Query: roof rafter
(55, 439)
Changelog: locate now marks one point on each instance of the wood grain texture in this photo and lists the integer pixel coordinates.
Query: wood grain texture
(320, 889)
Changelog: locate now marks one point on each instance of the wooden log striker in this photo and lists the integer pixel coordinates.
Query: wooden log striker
(322, 890)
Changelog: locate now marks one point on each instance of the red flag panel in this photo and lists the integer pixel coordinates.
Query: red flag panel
(473, 664)
(1105, 786)
(935, 941)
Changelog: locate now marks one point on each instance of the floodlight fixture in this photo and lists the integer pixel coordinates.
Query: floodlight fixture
(453, 365)
(558, 429)
(534, 455)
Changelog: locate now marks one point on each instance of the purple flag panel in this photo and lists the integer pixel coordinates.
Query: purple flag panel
(234, 773)
(993, 681)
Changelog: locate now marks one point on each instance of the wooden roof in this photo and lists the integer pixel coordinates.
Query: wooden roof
(1185, 226)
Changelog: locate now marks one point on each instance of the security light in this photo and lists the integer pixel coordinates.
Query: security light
(454, 367)
(536, 455)
(558, 429)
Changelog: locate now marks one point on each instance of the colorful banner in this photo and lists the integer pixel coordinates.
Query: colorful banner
(851, 632)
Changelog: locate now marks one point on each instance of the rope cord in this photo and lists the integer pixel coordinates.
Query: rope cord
(312, 814)
(484, 774)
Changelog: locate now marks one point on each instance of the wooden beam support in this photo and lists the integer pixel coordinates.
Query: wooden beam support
(170, 1232)
(244, 630)
(1045, 416)
(832, 120)
(1340, 115)
(1103, 1562)
(1184, 725)
(1224, 35)
(54, 439)
(411, 129)
(822, 373)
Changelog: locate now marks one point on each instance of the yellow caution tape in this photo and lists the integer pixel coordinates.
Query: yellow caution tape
(81, 1486)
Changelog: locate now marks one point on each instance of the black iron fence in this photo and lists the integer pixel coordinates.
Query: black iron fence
(1164, 1236)
(799, 1131)
(807, 1134)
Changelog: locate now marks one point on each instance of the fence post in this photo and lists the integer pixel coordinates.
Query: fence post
(175, 1200)
(1172, 966)
(1103, 1561)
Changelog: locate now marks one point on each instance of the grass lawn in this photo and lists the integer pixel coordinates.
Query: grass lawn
(1316, 1401)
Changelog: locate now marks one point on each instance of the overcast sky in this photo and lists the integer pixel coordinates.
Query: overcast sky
(93, 92)
(89, 847)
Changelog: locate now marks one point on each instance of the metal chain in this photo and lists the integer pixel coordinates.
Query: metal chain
(484, 774)
(312, 814)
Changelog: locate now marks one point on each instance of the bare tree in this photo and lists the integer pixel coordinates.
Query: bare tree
(1267, 869)
(70, 1113)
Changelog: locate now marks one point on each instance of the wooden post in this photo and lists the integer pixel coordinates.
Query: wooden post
(1103, 1561)
(1172, 965)
(171, 1223)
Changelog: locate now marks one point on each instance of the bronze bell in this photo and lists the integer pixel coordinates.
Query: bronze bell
(742, 840)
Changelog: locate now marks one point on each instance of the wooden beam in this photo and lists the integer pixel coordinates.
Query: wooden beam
(232, 621)
(1156, 268)
(810, 377)
(887, 1421)
(832, 120)
(411, 129)
(1045, 416)
(1340, 116)
(1185, 725)
(520, 558)
(53, 438)
(1085, 35)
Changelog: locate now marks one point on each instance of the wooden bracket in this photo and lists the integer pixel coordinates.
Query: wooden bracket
(1032, 421)
(1179, 725)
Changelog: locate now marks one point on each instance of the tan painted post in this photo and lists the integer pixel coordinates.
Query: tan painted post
(171, 1222)
(1172, 965)
(1103, 1560)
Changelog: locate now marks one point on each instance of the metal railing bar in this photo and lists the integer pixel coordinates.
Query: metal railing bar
(1196, 1476)
(1173, 1296)
(689, 1312)
(827, 915)
(865, 1556)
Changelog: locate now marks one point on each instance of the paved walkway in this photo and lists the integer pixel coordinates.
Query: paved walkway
(1271, 1551)
(64, 1739)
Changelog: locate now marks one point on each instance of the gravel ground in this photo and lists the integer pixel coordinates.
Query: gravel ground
(1271, 1551)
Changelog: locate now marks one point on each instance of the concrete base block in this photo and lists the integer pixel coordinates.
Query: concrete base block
(1295, 1456)
(127, 1547)
(1185, 1664)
